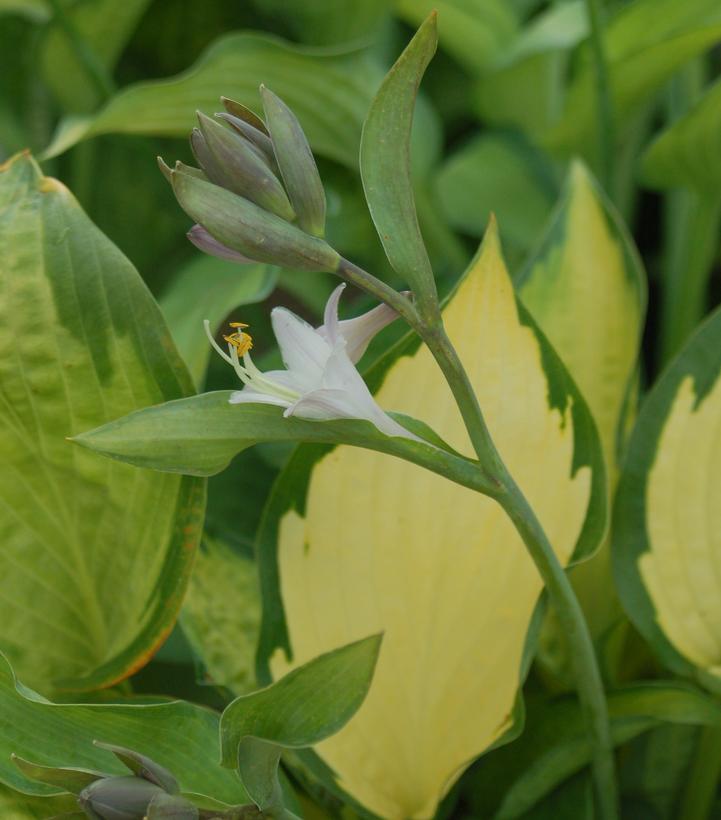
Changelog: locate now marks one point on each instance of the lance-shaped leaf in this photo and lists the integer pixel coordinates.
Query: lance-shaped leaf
(686, 154)
(106, 549)
(386, 166)
(586, 288)
(555, 745)
(296, 163)
(178, 735)
(352, 542)
(668, 512)
(200, 436)
(245, 227)
(235, 65)
(308, 705)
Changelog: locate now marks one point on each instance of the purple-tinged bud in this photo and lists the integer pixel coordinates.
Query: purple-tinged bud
(118, 798)
(242, 170)
(253, 232)
(296, 163)
(205, 242)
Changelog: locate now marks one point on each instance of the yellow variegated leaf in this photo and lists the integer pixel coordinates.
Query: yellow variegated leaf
(586, 288)
(667, 530)
(354, 543)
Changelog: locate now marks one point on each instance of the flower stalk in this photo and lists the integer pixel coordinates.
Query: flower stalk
(589, 683)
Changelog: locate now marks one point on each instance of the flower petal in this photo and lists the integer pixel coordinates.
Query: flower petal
(327, 404)
(357, 333)
(304, 351)
(254, 397)
(210, 245)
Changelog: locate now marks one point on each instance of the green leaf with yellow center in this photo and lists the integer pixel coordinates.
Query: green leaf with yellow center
(667, 550)
(355, 543)
(586, 288)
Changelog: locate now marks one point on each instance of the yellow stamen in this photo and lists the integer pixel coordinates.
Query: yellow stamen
(242, 342)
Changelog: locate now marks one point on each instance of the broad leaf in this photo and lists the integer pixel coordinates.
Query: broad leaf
(178, 735)
(386, 166)
(17, 806)
(105, 26)
(495, 174)
(668, 512)
(308, 705)
(221, 614)
(327, 22)
(474, 32)
(354, 543)
(209, 288)
(686, 154)
(586, 288)
(646, 42)
(105, 548)
(526, 85)
(235, 66)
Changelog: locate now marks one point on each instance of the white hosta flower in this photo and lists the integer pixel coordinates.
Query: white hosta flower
(320, 381)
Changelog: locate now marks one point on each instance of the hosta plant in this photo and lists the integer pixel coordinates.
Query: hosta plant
(362, 515)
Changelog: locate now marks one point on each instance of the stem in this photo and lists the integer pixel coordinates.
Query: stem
(606, 136)
(703, 777)
(589, 684)
(86, 56)
(588, 677)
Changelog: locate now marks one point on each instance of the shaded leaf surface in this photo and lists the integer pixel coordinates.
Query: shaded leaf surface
(107, 549)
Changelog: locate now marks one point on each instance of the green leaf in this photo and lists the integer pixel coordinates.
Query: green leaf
(221, 614)
(178, 735)
(62, 778)
(105, 27)
(554, 745)
(327, 22)
(687, 153)
(16, 806)
(646, 42)
(353, 542)
(209, 288)
(200, 435)
(474, 32)
(235, 65)
(526, 85)
(386, 168)
(36, 10)
(308, 705)
(668, 512)
(107, 549)
(494, 173)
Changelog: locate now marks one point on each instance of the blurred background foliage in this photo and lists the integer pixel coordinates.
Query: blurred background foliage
(96, 89)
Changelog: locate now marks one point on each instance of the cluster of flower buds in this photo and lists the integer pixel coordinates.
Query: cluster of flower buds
(257, 195)
(150, 792)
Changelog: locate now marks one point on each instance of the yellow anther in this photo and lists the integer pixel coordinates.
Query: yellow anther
(242, 342)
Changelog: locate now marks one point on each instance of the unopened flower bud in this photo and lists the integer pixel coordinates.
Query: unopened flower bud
(118, 798)
(296, 163)
(237, 167)
(239, 224)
